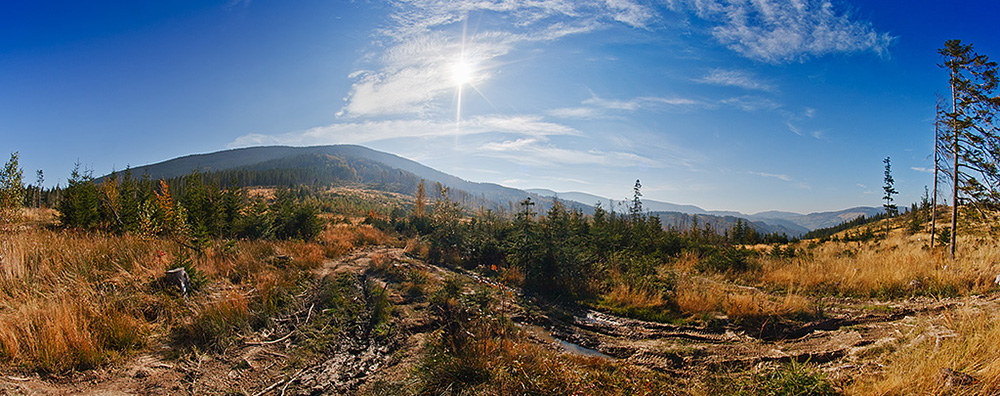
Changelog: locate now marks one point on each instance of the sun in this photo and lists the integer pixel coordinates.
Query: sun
(462, 73)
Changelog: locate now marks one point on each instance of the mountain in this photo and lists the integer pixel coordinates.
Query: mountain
(358, 165)
(341, 165)
(592, 200)
(819, 220)
(684, 221)
(793, 224)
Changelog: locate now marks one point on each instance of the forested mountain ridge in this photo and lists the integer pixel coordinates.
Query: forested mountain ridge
(338, 165)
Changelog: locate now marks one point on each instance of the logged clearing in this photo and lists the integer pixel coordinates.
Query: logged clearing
(854, 340)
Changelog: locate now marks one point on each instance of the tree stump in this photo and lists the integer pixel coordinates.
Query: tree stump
(178, 276)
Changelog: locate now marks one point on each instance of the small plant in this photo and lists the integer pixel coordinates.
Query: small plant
(791, 379)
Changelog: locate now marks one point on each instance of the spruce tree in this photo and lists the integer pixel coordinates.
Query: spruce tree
(972, 131)
(891, 209)
(11, 191)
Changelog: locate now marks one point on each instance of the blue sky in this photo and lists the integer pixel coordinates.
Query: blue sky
(729, 105)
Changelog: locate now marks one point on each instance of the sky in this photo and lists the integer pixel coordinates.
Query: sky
(747, 105)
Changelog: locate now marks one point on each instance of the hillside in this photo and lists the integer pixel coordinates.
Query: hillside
(683, 221)
(358, 165)
(339, 165)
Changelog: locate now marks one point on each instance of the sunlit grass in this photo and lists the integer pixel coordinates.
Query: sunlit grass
(896, 267)
(73, 300)
(963, 341)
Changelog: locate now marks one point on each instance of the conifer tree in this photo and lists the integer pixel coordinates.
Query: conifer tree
(39, 179)
(972, 131)
(11, 191)
(636, 209)
(80, 204)
(421, 200)
(890, 208)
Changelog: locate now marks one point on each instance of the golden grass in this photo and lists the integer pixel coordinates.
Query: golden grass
(700, 297)
(894, 267)
(342, 238)
(73, 300)
(220, 319)
(962, 341)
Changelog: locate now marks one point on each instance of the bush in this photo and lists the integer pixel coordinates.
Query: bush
(728, 260)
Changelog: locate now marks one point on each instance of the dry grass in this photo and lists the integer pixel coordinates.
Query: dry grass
(91, 298)
(890, 268)
(625, 295)
(70, 300)
(962, 341)
(416, 247)
(342, 238)
(702, 297)
(219, 320)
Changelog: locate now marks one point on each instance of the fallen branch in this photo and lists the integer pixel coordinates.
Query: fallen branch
(268, 389)
(310, 312)
(269, 342)
(281, 355)
(284, 388)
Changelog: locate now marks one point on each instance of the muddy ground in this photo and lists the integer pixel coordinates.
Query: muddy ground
(269, 362)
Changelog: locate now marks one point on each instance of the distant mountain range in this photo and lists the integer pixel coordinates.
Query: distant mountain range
(357, 165)
(793, 224)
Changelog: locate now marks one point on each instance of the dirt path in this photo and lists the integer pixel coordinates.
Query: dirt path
(841, 343)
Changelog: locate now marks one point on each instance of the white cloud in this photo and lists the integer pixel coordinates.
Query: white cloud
(817, 134)
(413, 74)
(371, 131)
(530, 151)
(576, 113)
(597, 107)
(772, 175)
(793, 128)
(735, 78)
(645, 102)
(751, 103)
(778, 31)
(922, 169)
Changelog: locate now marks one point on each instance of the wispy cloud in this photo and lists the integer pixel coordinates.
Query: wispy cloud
(645, 102)
(413, 74)
(598, 107)
(772, 175)
(580, 113)
(922, 169)
(533, 151)
(735, 78)
(778, 31)
(371, 131)
(751, 103)
(817, 134)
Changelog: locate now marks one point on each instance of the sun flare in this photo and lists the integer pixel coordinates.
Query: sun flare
(462, 73)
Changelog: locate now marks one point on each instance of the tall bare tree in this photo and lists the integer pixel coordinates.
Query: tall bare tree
(971, 128)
